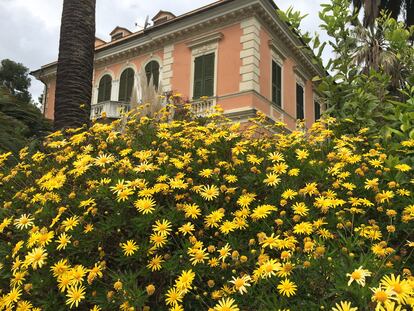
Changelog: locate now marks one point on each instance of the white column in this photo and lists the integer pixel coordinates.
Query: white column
(167, 71)
(138, 84)
(95, 91)
(115, 90)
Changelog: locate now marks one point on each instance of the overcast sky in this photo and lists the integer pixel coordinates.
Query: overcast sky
(29, 29)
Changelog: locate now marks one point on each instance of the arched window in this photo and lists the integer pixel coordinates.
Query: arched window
(126, 84)
(104, 91)
(152, 69)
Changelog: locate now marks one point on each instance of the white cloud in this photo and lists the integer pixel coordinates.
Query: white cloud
(30, 28)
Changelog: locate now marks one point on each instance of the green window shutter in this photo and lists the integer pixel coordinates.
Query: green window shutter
(317, 111)
(108, 89)
(204, 76)
(198, 77)
(122, 87)
(104, 90)
(130, 84)
(300, 113)
(276, 84)
(152, 69)
(126, 84)
(209, 75)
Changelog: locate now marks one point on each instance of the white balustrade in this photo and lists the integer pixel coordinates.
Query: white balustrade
(112, 109)
(203, 107)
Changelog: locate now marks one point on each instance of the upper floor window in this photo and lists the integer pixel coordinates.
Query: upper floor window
(204, 75)
(276, 84)
(104, 91)
(152, 70)
(300, 107)
(317, 110)
(126, 84)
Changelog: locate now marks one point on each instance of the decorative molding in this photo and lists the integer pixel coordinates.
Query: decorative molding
(205, 49)
(280, 31)
(175, 33)
(300, 77)
(141, 43)
(277, 53)
(126, 66)
(250, 55)
(209, 39)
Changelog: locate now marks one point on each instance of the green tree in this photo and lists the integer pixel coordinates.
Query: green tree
(75, 64)
(371, 78)
(372, 8)
(15, 77)
(372, 73)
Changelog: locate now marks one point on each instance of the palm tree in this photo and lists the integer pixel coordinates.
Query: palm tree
(394, 7)
(372, 52)
(75, 64)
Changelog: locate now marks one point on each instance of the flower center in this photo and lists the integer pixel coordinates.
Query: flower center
(381, 296)
(356, 275)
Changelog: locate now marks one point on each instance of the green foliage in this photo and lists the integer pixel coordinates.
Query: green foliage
(15, 77)
(371, 73)
(20, 123)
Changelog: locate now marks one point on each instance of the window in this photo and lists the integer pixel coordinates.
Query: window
(204, 76)
(317, 110)
(152, 70)
(300, 113)
(276, 84)
(126, 84)
(117, 36)
(104, 91)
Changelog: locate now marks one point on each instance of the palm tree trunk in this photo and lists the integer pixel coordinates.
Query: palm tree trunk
(75, 64)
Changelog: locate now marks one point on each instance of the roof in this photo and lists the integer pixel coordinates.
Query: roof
(161, 12)
(168, 22)
(134, 35)
(117, 28)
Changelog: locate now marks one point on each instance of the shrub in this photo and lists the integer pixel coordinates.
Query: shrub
(203, 216)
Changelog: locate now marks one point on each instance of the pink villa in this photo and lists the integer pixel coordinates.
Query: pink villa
(236, 53)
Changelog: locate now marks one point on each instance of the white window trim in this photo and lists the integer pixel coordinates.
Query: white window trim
(127, 65)
(96, 87)
(203, 46)
(204, 50)
(317, 99)
(278, 60)
(301, 82)
(150, 59)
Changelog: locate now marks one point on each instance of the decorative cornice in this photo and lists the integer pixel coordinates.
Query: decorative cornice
(205, 40)
(150, 43)
(300, 76)
(156, 39)
(282, 32)
(277, 50)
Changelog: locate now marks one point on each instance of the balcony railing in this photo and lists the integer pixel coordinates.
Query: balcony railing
(203, 107)
(112, 109)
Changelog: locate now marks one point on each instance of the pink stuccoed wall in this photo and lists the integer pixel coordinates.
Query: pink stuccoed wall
(181, 68)
(229, 62)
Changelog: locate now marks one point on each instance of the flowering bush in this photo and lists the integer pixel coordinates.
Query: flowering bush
(200, 215)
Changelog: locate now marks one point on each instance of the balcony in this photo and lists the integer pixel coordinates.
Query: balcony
(203, 107)
(112, 109)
